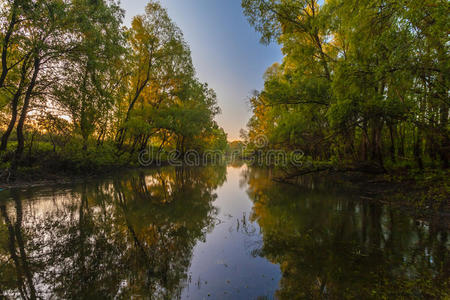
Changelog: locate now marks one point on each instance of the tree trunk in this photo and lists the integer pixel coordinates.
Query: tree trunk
(135, 141)
(6, 41)
(120, 137)
(392, 148)
(23, 114)
(444, 147)
(53, 143)
(401, 150)
(418, 149)
(100, 137)
(145, 142)
(12, 122)
(379, 146)
(365, 142)
(373, 144)
(163, 142)
(14, 106)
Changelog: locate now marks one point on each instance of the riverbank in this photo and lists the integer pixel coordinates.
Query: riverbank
(43, 178)
(422, 193)
(54, 179)
(43, 166)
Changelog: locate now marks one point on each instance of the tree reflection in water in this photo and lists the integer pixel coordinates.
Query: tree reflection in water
(134, 236)
(116, 238)
(330, 246)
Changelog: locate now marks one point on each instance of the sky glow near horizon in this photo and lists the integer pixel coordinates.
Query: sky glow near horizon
(225, 51)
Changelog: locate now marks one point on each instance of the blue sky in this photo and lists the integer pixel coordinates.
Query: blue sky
(225, 50)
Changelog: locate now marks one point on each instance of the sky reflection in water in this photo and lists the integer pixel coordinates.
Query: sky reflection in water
(213, 232)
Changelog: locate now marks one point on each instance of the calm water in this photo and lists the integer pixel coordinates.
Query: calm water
(213, 233)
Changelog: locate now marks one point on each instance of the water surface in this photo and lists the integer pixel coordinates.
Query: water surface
(213, 233)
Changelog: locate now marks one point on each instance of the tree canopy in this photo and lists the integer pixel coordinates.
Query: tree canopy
(117, 90)
(361, 81)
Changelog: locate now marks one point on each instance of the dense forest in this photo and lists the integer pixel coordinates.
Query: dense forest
(361, 82)
(79, 91)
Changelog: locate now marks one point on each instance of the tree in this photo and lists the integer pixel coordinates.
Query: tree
(360, 80)
(90, 75)
(159, 54)
(129, 87)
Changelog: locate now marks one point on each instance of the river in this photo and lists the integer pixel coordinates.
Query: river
(222, 232)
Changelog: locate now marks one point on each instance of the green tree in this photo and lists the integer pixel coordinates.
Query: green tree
(361, 81)
(88, 89)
